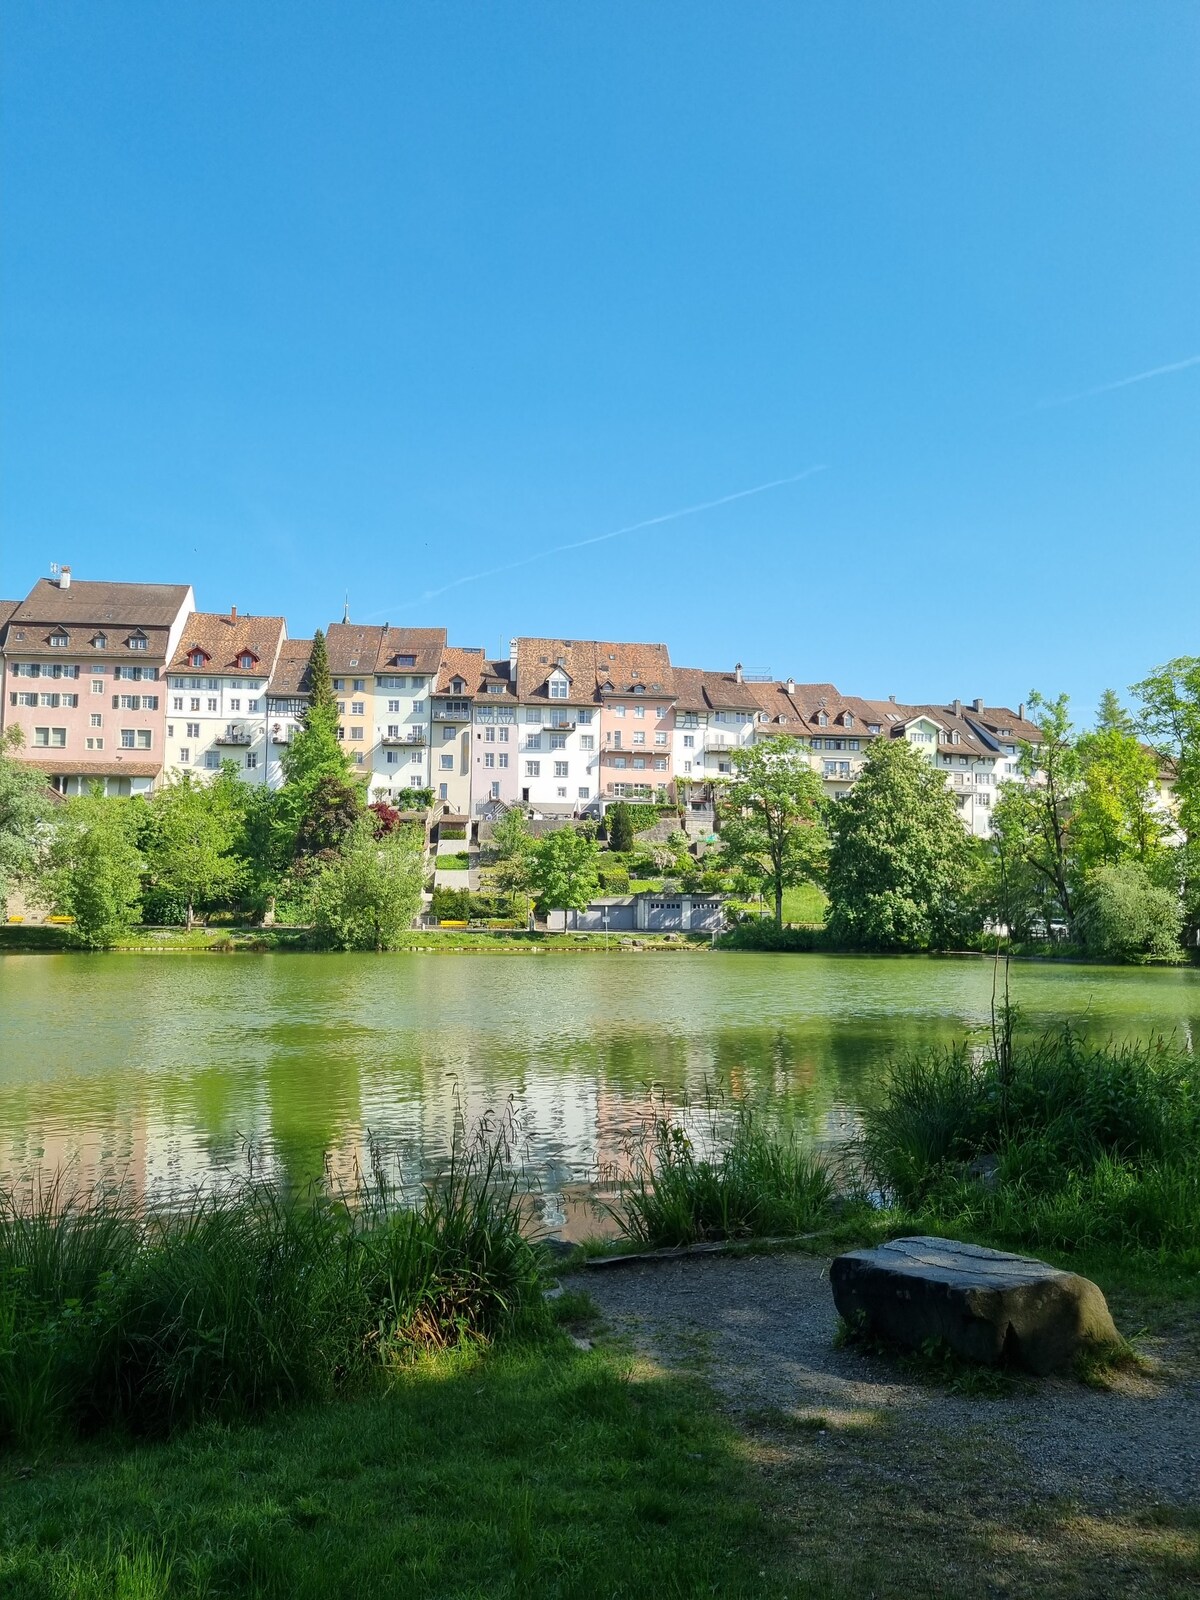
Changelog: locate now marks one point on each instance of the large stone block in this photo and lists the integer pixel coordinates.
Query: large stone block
(986, 1305)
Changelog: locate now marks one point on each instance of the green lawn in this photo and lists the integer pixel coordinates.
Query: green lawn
(805, 903)
(458, 862)
(534, 1472)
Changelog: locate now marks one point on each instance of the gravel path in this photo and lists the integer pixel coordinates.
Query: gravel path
(760, 1329)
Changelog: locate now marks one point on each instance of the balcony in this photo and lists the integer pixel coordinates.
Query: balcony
(233, 735)
(716, 744)
(409, 738)
(559, 722)
(458, 714)
(283, 735)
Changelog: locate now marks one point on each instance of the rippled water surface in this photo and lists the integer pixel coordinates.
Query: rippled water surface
(168, 1070)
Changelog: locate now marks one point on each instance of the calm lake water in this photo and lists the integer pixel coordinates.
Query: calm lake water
(172, 1071)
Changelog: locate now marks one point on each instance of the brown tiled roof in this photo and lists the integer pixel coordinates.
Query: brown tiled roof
(537, 659)
(224, 638)
(458, 662)
(353, 648)
(497, 672)
(425, 645)
(7, 607)
(75, 766)
(633, 668)
(291, 675)
(993, 718)
(699, 690)
(89, 610)
(811, 699)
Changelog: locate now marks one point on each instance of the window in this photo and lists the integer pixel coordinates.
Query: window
(358, 708)
(533, 741)
(197, 658)
(60, 641)
(618, 711)
(41, 736)
(558, 741)
(560, 769)
(983, 800)
(356, 733)
(212, 705)
(561, 791)
(99, 642)
(660, 763)
(98, 687)
(848, 719)
(235, 704)
(393, 730)
(533, 769)
(489, 759)
(149, 702)
(185, 755)
(504, 758)
(639, 711)
(687, 766)
(24, 700)
(418, 708)
(822, 720)
(211, 759)
(689, 741)
(193, 730)
(503, 735)
(583, 718)
(251, 760)
(176, 701)
(359, 685)
(447, 733)
(639, 737)
(126, 702)
(415, 759)
(50, 700)
(495, 688)
(616, 739)
(358, 757)
(405, 661)
(587, 741)
(194, 703)
(495, 791)
(394, 707)
(94, 743)
(340, 731)
(558, 689)
(95, 720)
(639, 762)
(660, 738)
(446, 763)
(252, 705)
(392, 757)
(619, 762)
(127, 739)
(489, 736)
(584, 792)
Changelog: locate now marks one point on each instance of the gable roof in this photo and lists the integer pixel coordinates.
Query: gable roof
(631, 667)
(225, 638)
(353, 648)
(459, 662)
(425, 645)
(85, 610)
(291, 677)
(537, 659)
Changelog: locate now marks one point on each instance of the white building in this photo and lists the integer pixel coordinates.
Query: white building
(451, 722)
(495, 765)
(405, 673)
(287, 702)
(216, 694)
(559, 746)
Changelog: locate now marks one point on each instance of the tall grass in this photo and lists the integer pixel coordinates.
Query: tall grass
(1089, 1143)
(234, 1304)
(757, 1182)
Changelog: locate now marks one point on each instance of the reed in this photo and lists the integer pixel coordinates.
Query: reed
(238, 1303)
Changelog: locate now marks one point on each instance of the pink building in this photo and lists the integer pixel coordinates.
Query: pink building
(84, 679)
(635, 686)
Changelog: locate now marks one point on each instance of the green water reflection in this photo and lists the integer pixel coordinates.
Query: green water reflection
(167, 1071)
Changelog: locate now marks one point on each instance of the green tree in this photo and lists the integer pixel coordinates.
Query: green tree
(1121, 915)
(191, 843)
(367, 896)
(618, 824)
(512, 847)
(1016, 891)
(902, 867)
(563, 870)
(25, 804)
(1169, 716)
(772, 833)
(1050, 775)
(1111, 716)
(316, 751)
(1117, 817)
(94, 867)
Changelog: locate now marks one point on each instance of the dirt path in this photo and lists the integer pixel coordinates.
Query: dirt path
(760, 1329)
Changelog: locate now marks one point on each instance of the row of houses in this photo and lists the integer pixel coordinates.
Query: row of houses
(122, 684)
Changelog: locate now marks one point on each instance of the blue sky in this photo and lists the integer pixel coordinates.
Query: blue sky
(305, 298)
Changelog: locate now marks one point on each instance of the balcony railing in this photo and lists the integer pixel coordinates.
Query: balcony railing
(463, 714)
(283, 735)
(234, 736)
(559, 722)
(410, 737)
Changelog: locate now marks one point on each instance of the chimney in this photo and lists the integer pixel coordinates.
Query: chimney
(233, 613)
(1021, 711)
(892, 698)
(64, 578)
(791, 686)
(956, 707)
(737, 672)
(977, 704)
(512, 655)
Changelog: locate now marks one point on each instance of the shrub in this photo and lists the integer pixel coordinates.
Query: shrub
(1121, 915)
(614, 879)
(760, 933)
(757, 1183)
(451, 905)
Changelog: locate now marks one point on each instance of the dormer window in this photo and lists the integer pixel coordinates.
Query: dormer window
(197, 658)
(822, 720)
(872, 727)
(246, 660)
(60, 641)
(136, 641)
(848, 719)
(558, 685)
(403, 661)
(457, 685)
(495, 688)
(99, 642)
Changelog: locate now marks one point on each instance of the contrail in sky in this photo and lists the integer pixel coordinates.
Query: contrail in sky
(1121, 383)
(600, 538)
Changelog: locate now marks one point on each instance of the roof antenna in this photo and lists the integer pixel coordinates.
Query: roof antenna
(346, 611)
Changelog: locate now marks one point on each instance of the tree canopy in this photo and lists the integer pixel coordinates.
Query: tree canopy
(563, 870)
(25, 805)
(771, 824)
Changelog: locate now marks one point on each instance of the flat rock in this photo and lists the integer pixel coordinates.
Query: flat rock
(988, 1306)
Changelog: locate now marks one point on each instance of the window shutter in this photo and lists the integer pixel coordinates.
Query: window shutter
(116, 702)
